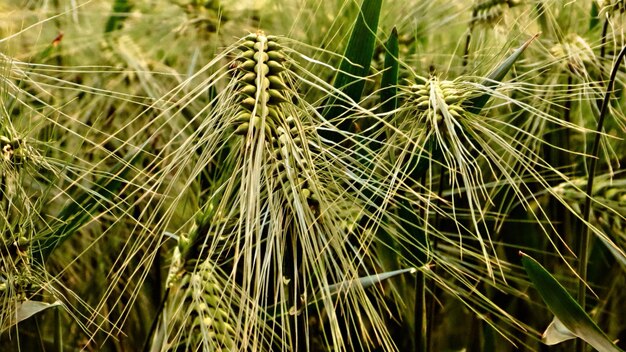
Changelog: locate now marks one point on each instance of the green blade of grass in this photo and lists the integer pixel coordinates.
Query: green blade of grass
(358, 55)
(565, 308)
(355, 65)
(341, 287)
(476, 104)
(367, 281)
(83, 206)
(387, 251)
(118, 15)
(389, 80)
(594, 19)
(388, 88)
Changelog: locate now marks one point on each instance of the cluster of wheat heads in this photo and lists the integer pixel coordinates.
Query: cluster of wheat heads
(286, 192)
(273, 221)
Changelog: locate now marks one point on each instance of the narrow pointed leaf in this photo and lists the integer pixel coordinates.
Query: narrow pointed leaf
(594, 18)
(367, 281)
(335, 289)
(565, 308)
(389, 80)
(387, 251)
(388, 88)
(355, 65)
(476, 104)
(360, 50)
(119, 13)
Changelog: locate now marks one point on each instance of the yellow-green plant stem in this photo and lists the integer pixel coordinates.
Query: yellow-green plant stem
(421, 326)
(435, 243)
(583, 244)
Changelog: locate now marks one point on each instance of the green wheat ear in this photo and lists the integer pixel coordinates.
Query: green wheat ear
(435, 97)
(197, 317)
(261, 128)
(262, 92)
(20, 279)
(259, 91)
(261, 86)
(577, 55)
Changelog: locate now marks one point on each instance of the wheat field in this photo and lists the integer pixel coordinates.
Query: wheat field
(310, 175)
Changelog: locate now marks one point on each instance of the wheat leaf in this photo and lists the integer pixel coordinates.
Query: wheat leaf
(389, 80)
(118, 15)
(476, 104)
(565, 308)
(355, 66)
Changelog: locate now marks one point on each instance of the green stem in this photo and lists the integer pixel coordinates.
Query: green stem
(155, 322)
(58, 329)
(603, 44)
(468, 38)
(420, 312)
(583, 244)
(602, 56)
(565, 135)
(466, 51)
(432, 284)
(563, 217)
